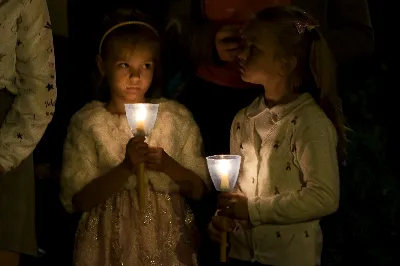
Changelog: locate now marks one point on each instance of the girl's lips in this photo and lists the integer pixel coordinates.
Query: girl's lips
(133, 89)
(242, 67)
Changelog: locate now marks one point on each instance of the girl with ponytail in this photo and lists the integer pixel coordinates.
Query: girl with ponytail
(291, 139)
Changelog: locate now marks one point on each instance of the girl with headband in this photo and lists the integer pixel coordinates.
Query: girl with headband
(101, 158)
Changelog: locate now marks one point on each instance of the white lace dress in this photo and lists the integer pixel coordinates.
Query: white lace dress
(116, 233)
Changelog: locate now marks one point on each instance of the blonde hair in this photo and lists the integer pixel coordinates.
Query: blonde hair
(122, 24)
(133, 26)
(315, 71)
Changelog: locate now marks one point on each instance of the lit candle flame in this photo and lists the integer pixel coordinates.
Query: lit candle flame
(141, 115)
(224, 168)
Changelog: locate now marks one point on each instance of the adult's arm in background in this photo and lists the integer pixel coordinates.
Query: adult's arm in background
(35, 86)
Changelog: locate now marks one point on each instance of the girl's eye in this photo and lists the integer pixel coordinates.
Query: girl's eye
(123, 65)
(147, 65)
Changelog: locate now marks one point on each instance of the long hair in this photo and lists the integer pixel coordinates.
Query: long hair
(315, 71)
(135, 33)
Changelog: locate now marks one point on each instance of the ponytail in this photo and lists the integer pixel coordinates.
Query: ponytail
(297, 35)
(323, 68)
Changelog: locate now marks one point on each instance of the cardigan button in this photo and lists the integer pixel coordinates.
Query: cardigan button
(274, 117)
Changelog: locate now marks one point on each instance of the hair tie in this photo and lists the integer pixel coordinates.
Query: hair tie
(301, 26)
(125, 24)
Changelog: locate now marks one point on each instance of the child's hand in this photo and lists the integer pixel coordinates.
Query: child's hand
(157, 159)
(233, 205)
(136, 151)
(218, 225)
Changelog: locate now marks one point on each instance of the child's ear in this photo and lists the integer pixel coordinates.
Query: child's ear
(288, 65)
(100, 65)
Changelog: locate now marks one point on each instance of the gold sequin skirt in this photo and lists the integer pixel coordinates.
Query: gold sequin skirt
(117, 233)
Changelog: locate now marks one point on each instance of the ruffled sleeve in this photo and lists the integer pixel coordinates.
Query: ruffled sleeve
(80, 162)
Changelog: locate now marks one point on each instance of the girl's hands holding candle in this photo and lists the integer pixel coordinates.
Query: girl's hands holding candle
(233, 205)
(157, 159)
(136, 151)
(218, 225)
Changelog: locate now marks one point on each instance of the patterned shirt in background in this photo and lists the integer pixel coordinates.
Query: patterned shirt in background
(27, 71)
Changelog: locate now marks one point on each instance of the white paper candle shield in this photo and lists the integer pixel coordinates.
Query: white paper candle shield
(141, 117)
(224, 171)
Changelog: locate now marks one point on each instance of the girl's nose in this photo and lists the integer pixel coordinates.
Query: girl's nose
(243, 54)
(134, 73)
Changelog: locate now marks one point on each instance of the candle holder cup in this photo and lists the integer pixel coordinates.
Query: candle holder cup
(141, 119)
(224, 171)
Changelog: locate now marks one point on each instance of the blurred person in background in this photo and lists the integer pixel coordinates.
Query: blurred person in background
(27, 99)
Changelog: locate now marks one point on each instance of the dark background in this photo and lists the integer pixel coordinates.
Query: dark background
(366, 228)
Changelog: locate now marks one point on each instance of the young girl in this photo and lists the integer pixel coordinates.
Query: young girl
(98, 176)
(289, 139)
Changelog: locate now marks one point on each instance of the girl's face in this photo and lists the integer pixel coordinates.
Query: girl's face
(259, 63)
(129, 69)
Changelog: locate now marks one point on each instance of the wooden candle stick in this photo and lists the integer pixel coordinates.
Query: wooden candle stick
(141, 119)
(141, 182)
(142, 187)
(222, 248)
(224, 171)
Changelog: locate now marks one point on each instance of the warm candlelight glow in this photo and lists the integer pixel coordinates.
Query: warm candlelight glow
(224, 168)
(141, 118)
(224, 171)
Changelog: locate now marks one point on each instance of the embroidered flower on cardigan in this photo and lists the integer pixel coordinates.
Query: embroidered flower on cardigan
(276, 145)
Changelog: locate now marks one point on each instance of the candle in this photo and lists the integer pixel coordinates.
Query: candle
(140, 119)
(224, 168)
(140, 129)
(224, 171)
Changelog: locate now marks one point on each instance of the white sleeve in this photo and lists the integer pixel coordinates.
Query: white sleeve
(33, 107)
(317, 158)
(193, 154)
(235, 143)
(80, 163)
